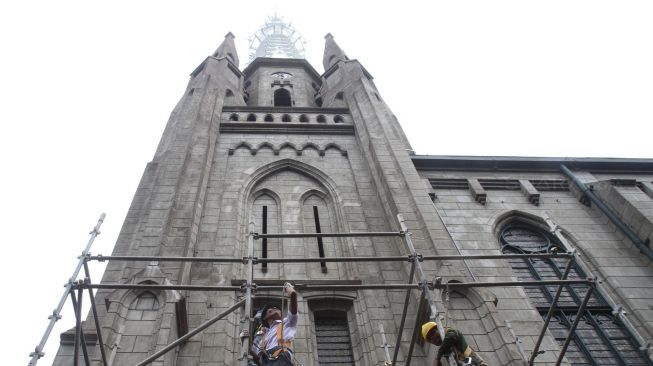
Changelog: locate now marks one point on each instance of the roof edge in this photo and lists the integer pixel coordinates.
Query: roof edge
(523, 163)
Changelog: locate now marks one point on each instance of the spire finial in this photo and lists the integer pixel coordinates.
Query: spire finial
(228, 49)
(332, 52)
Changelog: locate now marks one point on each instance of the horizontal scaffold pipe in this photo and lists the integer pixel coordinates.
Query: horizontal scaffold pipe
(128, 258)
(329, 235)
(405, 258)
(124, 286)
(431, 285)
(300, 286)
(334, 259)
(589, 282)
(496, 256)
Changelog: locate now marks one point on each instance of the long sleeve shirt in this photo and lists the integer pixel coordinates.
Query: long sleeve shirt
(454, 341)
(289, 330)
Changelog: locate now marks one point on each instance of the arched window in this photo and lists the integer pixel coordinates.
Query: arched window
(229, 93)
(303, 118)
(318, 101)
(338, 119)
(140, 325)
(233, 117)
(286, 118)
(251, 117)
(282, 98)
(321, 118)
(268, 118)
(600, 338)
(340, 96)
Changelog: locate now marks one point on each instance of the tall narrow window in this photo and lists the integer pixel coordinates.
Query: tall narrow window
(265, 212)
(264, 229)
(320, 242)
(333, 338)
(317, 218)
(600, 338)
(282, 98)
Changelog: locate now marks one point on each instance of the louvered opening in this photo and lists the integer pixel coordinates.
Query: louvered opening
(449, 183)
(500, 184)
(624, 182)
(333, 339)
(550, 185)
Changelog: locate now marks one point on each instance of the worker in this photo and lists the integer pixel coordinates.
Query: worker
(454, 342)
(276, 345)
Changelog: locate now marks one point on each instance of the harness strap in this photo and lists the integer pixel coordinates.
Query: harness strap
(283, 345)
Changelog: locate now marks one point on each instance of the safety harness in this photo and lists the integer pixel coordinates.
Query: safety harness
(283, 346)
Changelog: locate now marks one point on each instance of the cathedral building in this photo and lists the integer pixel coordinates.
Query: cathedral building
(275, 147)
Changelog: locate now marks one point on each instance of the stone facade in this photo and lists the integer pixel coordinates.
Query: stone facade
(233, 152)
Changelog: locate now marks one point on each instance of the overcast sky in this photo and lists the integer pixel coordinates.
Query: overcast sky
(86, 88)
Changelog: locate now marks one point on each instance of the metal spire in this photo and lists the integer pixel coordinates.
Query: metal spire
(276, 39)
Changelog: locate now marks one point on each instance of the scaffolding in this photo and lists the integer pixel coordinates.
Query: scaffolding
(418, 281)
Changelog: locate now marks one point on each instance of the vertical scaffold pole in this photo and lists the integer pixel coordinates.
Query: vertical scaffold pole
(549, 315)
(421, 276)
(405, 311)
(572, 330)
(56, 314)
(79, 338)
(248, 295)
(96, 319)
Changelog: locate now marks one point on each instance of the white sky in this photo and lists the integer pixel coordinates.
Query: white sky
(87, 87)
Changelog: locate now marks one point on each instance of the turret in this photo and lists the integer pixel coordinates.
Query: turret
(332, 52)
(227, 49)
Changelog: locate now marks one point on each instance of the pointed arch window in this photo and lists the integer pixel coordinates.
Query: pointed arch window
(282, 98)
(601, 338)
(139, 328)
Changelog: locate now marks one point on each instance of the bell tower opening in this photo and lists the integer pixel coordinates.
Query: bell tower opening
(282, 98)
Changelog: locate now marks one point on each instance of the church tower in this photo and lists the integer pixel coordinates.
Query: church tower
(274, 148)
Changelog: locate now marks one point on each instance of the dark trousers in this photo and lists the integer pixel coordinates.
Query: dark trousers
(284, 359)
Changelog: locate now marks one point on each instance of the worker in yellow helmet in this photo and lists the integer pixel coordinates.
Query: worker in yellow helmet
(453, 342)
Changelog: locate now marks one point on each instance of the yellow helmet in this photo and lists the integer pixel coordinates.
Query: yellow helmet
(426, 328)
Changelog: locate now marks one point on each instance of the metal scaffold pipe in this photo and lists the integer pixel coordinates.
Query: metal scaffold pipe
(190, 334)
(329, 235)
(56, 314)
(426, 295)
(549, 314)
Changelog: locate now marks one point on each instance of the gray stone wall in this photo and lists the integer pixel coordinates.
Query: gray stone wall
(474, 216)
(214, 171)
